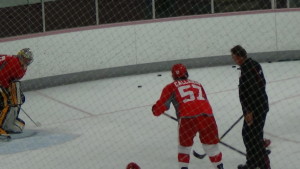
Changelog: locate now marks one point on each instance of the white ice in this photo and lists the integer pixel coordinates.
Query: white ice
(114, 125)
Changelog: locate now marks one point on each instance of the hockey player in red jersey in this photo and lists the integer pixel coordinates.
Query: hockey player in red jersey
(195, 116)
(132, 165)
(12, 69)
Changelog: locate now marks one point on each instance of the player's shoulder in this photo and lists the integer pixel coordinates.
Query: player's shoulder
(169, 87)
(252, 62)
(12, 58)
(5, 58)
(9, 57)
(4, 55)
(249, 64)
(254, 65)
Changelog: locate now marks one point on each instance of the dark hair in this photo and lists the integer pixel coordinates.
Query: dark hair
(239, 51)
(186, 76)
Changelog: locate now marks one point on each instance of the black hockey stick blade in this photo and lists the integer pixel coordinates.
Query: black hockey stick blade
(197, 155)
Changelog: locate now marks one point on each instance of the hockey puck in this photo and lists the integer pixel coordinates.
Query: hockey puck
(139, 86)
(233, 66)
(159, 75)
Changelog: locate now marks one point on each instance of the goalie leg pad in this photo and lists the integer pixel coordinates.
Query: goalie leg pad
(4, 108)
(15, 94)
(11, 124)
(20, 124)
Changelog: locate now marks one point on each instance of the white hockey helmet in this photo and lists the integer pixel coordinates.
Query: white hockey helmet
(26, 56)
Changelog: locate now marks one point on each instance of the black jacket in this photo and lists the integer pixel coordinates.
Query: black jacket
(252, 88)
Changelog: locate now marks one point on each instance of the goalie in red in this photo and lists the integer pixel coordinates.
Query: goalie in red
(12, 69)
(195, 116)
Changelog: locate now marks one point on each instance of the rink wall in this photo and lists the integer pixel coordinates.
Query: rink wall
(104, 51)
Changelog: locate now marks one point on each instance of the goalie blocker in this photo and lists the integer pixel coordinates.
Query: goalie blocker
(11, 100)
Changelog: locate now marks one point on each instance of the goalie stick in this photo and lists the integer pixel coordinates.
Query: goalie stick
(37, 124)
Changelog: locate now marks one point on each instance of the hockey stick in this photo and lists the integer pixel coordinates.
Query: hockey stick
(171, 117)
(232, 148)
(201, 156)
(37, 124)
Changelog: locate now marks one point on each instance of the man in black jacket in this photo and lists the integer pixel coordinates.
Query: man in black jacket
(254, 101)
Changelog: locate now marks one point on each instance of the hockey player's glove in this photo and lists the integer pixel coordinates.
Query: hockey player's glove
(153, 110)
(158, 110)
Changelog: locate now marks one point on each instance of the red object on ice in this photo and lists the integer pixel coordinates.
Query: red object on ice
(133, 165)
(267, 142)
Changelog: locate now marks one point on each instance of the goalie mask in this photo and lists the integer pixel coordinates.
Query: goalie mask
(26, 56)
(179, 71)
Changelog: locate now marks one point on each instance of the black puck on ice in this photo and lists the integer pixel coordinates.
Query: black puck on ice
(233, 66)
(139, 86)
(159, 75)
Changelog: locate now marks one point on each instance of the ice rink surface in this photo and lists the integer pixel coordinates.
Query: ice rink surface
(108, 123)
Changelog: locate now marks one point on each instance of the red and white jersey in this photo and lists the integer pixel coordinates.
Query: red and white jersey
(188, 98)
(10, 70)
